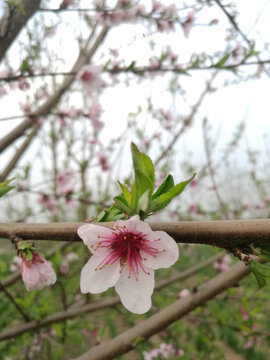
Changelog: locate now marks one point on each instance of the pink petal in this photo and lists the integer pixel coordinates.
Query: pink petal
(97, 281)
(134, 224)
(135, 294)
(30, 277)
(91, 235)
(165, 258)
(47, 274)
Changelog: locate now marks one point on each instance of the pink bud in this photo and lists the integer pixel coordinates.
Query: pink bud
(183, 293)
(37, 273)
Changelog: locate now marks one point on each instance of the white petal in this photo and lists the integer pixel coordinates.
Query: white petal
(134, 224)
(97, 281)
(135, 294)
(166, 258)
(31, 277)
(92, 235)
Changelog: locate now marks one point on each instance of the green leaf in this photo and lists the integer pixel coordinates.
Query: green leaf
(112, 214)
(125, 192)
(144, 201)
(144, 176)
(122, 204)
(163, 200)
(260, 271)
(166, 185)
(4, 188)
(25, 66)
(222, 61)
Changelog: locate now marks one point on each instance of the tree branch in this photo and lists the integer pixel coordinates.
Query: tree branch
(18, 153)
(100, 304)
(17, 21)
(226, 234)
(187, 121)
(83, 58)
(128, 339)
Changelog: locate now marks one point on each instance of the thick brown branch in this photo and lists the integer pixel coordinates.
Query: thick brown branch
(227, 234)
(16, 22)
(128, 339)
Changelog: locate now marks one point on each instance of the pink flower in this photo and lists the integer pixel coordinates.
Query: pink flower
(48, 202)
(23, 83)
(103, 161)
(64, 181)
(248, 344)
(188, 23)
(193, 209)
(16, 263)
(95, 111)
(244, 313)
(63, 268)
(37, 273)
(89, 75)
(223, 264)
(125, 257)
(183, 293)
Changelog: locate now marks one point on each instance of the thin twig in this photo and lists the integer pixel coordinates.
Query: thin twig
(207, 147)
(187, 121)
(79, 309)
(140, 70)
(17, 306)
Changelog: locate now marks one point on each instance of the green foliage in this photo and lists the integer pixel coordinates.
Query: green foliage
(260, 271)
(4, 187)
(141, 199)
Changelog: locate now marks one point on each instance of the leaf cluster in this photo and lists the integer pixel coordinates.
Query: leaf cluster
(142, 199)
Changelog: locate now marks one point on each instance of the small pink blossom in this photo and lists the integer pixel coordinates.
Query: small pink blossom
(246, 204)
(37, 273)
(244, 313)
(146, 142)
(165, 25)
(71, 256)
(23, 83)
(261, 206)
(156, 5)
(193, 209)
(94, 111)
(64, 268)
(188, 23)
(248, 344)
(103, 161)
(26, 108)
(223, 264)
(16, 263)
(89, 75)
(49, 203)
(126, 257)
(183, 293)
(64, 181)
(194, 183)
(73, 113)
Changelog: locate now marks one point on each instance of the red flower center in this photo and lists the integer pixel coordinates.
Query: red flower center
(127, 247)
